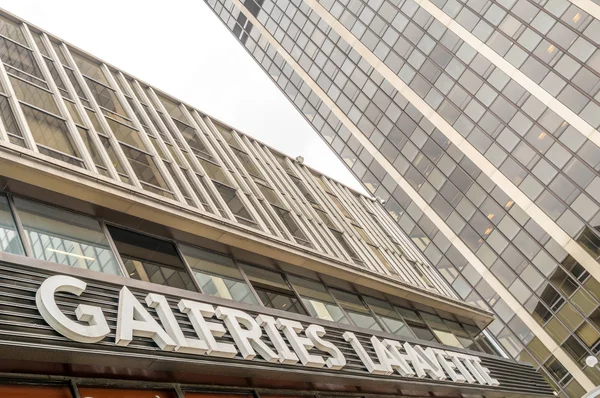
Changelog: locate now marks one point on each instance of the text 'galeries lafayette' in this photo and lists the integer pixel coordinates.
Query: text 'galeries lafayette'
(248, 332)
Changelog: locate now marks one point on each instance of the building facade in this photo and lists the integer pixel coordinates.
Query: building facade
(149, 250)
(476, 122)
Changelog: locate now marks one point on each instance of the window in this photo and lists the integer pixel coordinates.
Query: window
(66, 238)
(10, 123)
(150, 259)
(191, 137)
(248, 163)
(340, 206)
(465, 340)
(212, 196)
(234, 203)
(324, 217)
(418, 327)
(51, 134)
(145, 169)
(114, 158)
(105, 97)
(555, 368)
(292, 226)
(142, 163)
(575, 349)
(11, 29)
(272, 289)
(125, 134)
(228, 136)
(76, 84)
(19, 59)
(345, 245)
(89, 68)
(169, 128)
(466, 337)
(91, 147)
(172, 108)
(186, 194)
(318, 300)
(588, 334)
(269, 194)
(441, 330)
(218, 275)
(356, 310)
(34, 95)
(304, 190)
(388, 316)
(10, 242)
(487, 346)
(214, 171)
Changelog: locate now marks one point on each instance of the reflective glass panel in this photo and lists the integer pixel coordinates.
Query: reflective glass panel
(273, 291)
(441, 331)
(218, 275)
(150, 259)
(67, 238)
(49, 131)
(356, 310)
(10, 242)
(387, 315)
(318, 301)
(418, 327)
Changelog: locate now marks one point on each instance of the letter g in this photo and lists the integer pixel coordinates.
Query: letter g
(96, 328)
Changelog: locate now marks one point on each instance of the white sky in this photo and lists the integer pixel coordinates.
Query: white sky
(181, 47)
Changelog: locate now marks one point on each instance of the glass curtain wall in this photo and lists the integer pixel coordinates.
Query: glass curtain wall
(539, 151)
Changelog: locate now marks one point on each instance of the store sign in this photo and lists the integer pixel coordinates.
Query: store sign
(248, 332)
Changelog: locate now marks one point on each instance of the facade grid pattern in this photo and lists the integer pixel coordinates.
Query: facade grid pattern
(539, 287)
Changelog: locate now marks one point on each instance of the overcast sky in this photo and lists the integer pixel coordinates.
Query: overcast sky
(181, 47)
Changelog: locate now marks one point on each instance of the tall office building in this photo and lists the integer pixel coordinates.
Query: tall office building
(476, 122)
(148, 250)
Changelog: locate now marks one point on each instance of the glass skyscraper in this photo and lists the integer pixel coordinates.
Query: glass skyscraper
(476, 124)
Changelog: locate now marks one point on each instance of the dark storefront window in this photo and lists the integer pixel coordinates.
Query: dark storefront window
(150, 259)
